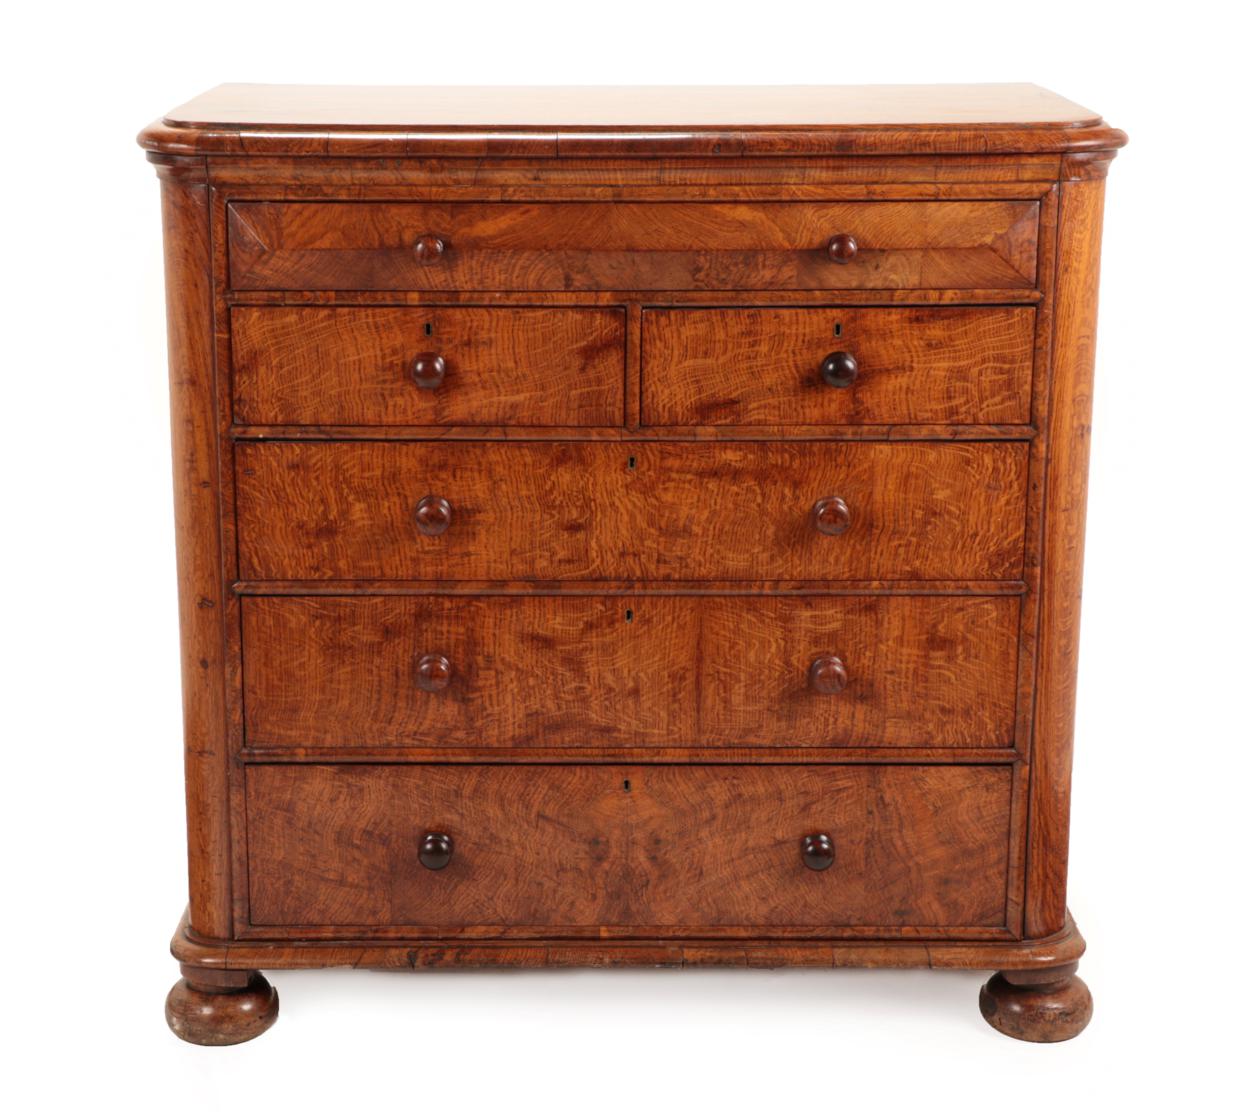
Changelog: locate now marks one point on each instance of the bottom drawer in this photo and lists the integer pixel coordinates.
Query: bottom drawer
(627, 849)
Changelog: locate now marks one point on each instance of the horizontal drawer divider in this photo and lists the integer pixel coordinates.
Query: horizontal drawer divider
(876, 433)
(642, 755)
(818, 299)
(465, 941)
(338, 588)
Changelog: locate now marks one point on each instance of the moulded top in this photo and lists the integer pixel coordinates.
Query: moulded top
(557, 120)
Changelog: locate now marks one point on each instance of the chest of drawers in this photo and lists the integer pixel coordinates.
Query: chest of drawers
(629, 527)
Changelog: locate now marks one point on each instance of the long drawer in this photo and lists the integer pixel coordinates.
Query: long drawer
(611, 849)
(435, 366)
(557, 246)
(546, 511)
(807, 366)
(713, 671)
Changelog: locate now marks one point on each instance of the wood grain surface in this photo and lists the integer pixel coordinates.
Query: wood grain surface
(761, 365)
(198, 538)
(613, 673)
(726, 122)
(1073, 374)
(645, 510)
(551, 671)
(630, 245)
(354, 365)
(610, 849)
(264, 948)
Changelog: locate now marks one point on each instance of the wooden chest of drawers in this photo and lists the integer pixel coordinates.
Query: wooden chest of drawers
(630, 527)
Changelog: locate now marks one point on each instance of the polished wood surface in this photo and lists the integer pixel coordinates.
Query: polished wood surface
(663, 511)
(761, 366)
(198, 538)
(727, 121)
(414, 954)
(630, 246)
(322, 366)
(1073, 369)
(920, 670)
(604, 849)
(630, 528)
(453, 106)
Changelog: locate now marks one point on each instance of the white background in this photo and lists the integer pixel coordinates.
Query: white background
(92, 789)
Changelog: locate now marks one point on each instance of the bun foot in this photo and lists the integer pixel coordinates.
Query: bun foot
(220, 1008)
(1048, 1005)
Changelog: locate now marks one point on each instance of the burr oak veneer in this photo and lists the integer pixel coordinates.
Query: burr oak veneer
(630, 527)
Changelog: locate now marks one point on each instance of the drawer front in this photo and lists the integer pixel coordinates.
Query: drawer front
(795, 367)
(612, 848)
(751, 511)
(712, 671)
(557, 246)
(436, 366)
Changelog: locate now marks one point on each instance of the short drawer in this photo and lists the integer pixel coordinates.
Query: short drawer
(557, 246)
(436, 366)
(795, 367)
(748, 511)
(374, 672)
(616, 849)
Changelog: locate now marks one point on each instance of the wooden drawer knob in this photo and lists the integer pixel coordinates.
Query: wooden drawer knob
(831, 516)
(828, 675)
(839, 369)
(433, 515)
(842, 248)
(434, 672)
(429, 248)
(429, 370)
(436, 851)
(817, 851)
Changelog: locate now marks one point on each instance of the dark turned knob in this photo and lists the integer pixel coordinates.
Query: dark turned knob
(839, 369)
(831, 516)
(429, 247)
(818, 851)
(842, 248)
(429, 370)
(433, 515)
(436, 851)
(434, 672)
(828, 675)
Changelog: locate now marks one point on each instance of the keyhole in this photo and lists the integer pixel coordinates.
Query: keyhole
(838, 329)
(429, 329)
(630, 616)
(626, 785)
(630, 463)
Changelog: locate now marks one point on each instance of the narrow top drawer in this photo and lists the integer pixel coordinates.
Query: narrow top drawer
(547, 246)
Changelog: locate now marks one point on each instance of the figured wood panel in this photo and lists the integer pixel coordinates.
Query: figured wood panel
(538, 246)
(611, 848)
(309, 510)
(539, 671)
(502, 366)
(762, 365)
